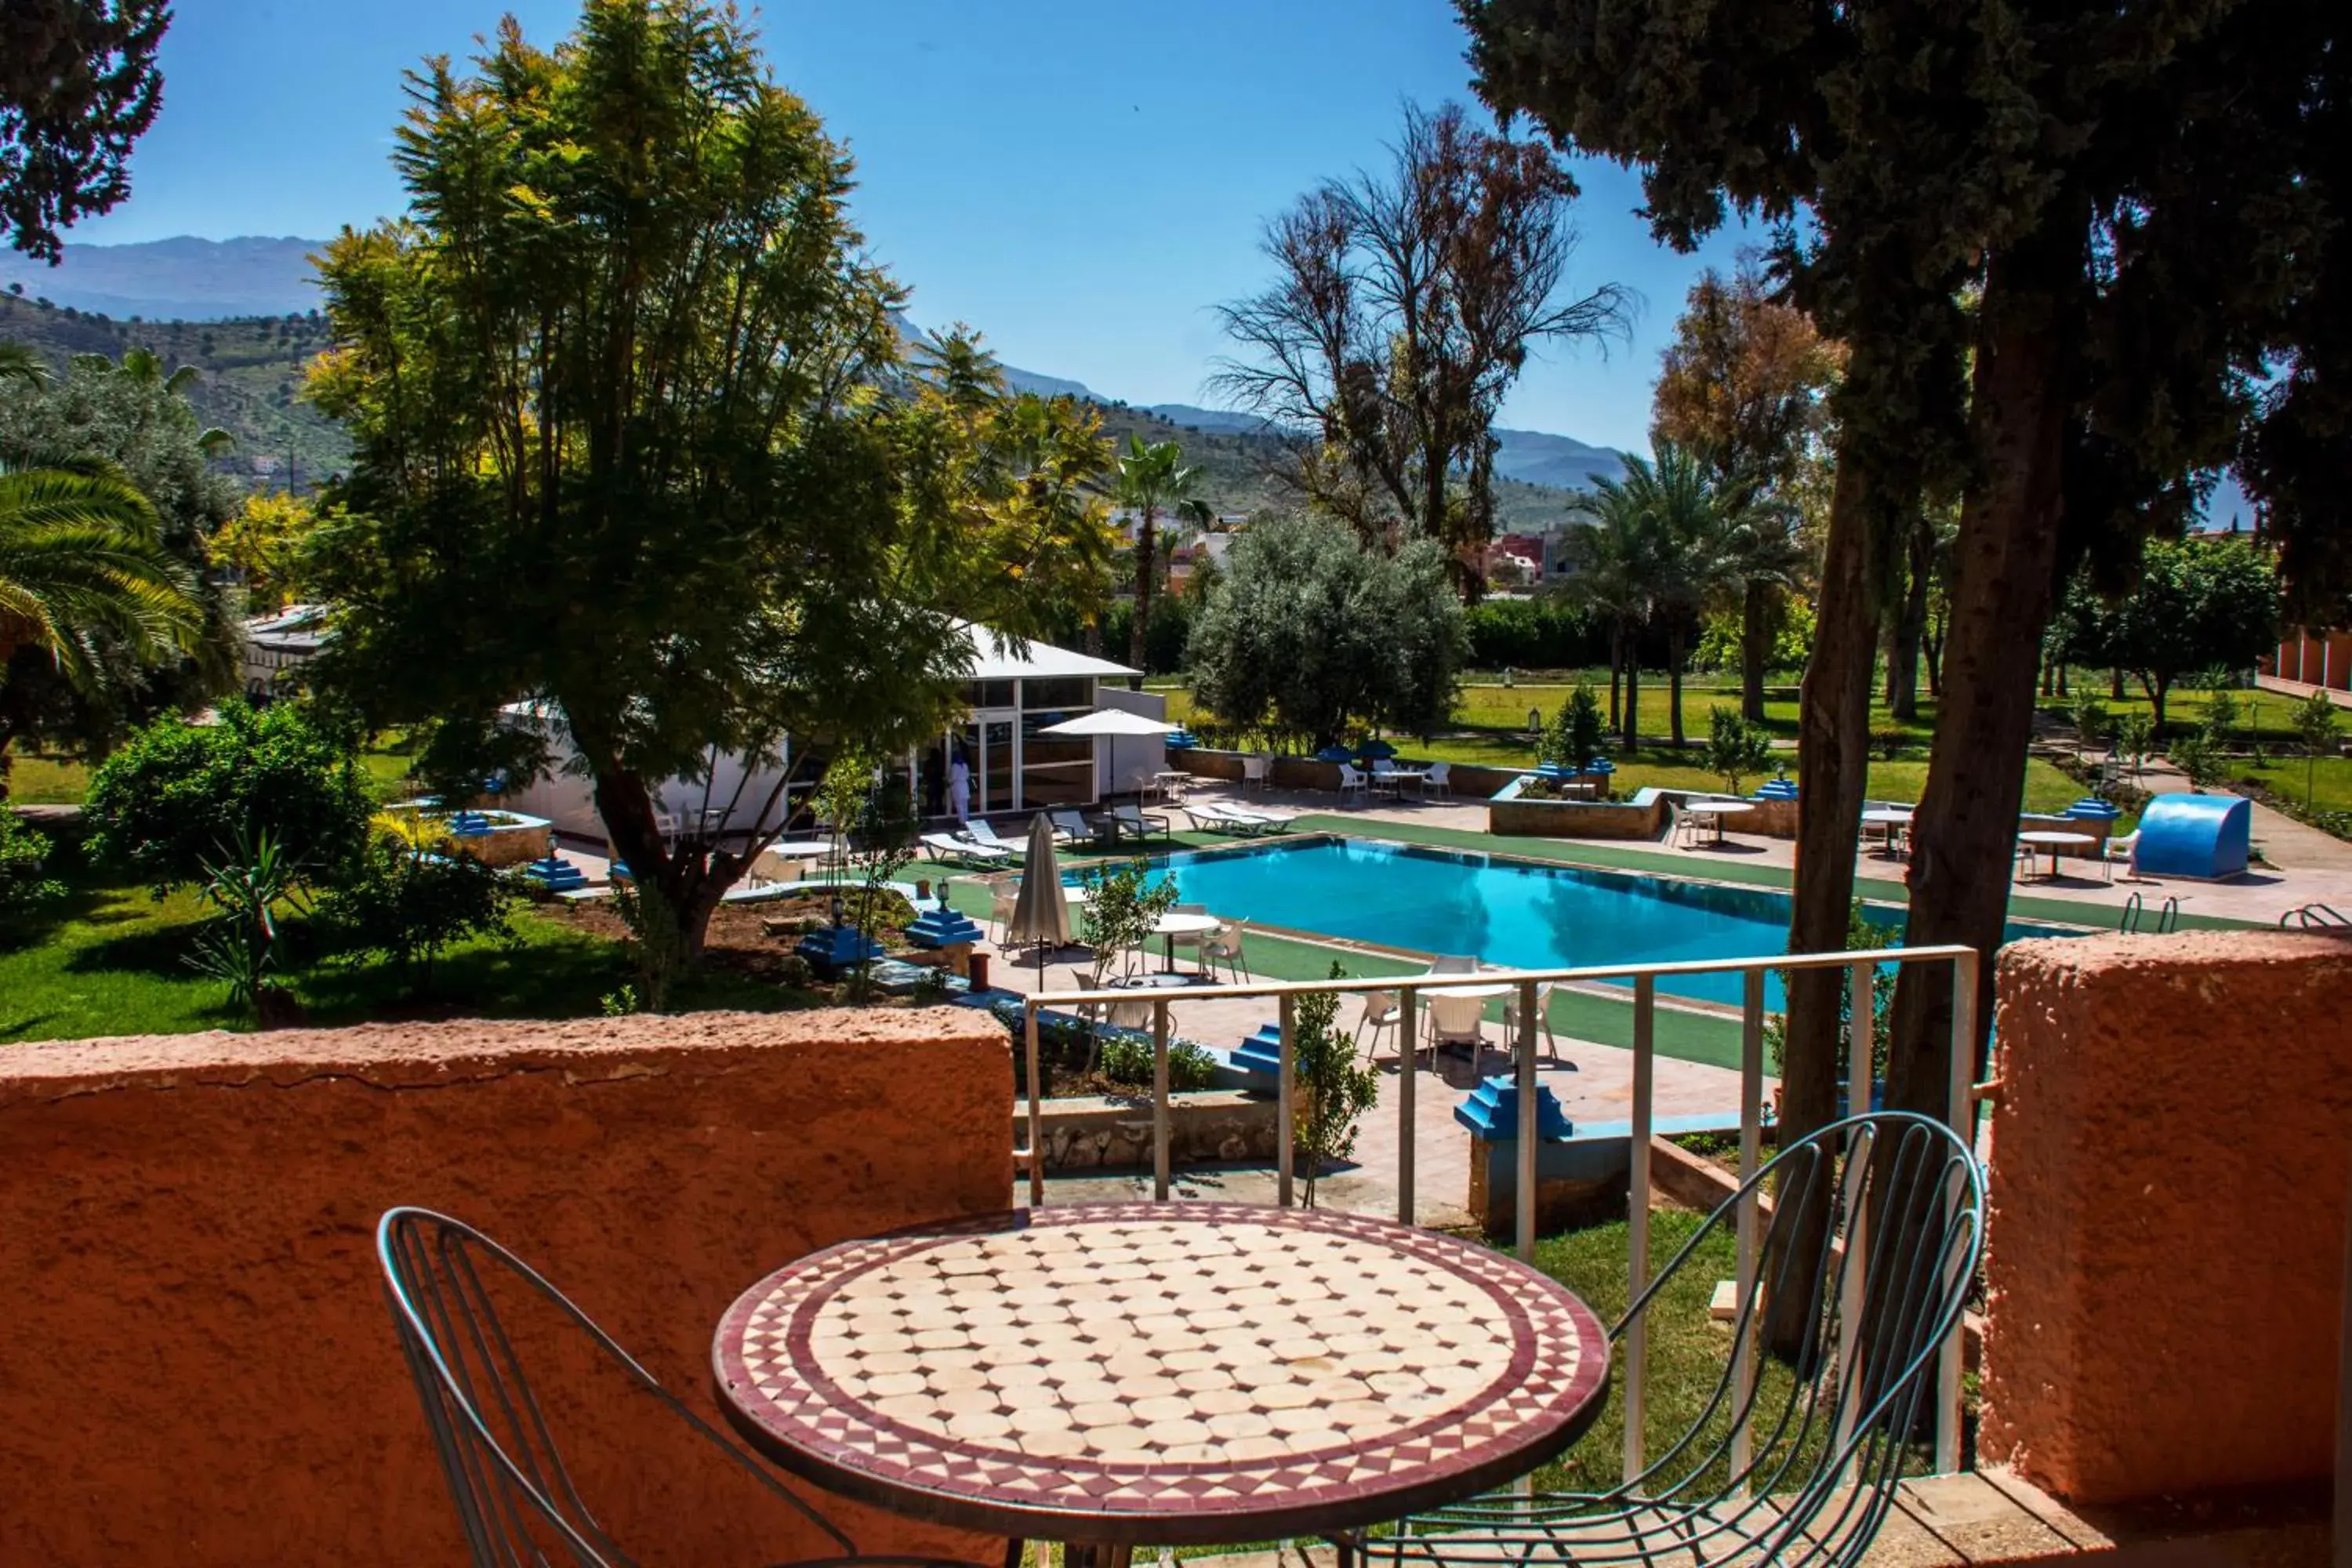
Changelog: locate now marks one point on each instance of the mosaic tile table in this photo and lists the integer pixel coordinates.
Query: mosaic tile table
(1179, 1374)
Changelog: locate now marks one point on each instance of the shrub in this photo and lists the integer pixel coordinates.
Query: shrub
(2135, 738)
(1888, 740)
(25, 882)
(179, 797)
(1735, 749)
(1337, 1087)
(2196, 756)
(1575, 735)
(1127, 1060)
(408, 893)
(1862, 934)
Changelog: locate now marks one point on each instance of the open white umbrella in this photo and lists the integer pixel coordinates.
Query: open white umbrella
(1040, 913)
(1111, 722)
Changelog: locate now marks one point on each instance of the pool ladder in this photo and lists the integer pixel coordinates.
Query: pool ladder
(2316, 917)
(2167, 917)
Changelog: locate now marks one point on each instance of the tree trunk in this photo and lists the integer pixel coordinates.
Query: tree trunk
(2002, 598)
(2062, 678)
(1910, 625)
(2115, 692)
(2157, 690)
(1755, 649)
(678, 891)
(1833, 761)
(1094, 636)
(1616, 670)
(1147, 550)
(1633, 695)
(1675, 683)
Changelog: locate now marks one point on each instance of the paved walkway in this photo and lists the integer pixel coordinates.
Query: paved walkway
(2300, 690)
(1593, 1082)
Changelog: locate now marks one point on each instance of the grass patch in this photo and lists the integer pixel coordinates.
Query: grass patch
(111, 959)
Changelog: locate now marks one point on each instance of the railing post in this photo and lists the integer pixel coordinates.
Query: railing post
(1408, 1120)
(1529, 1122)
(1862, 1017)
(1036, 1109)
(1637, 1216)
(1751, 1142)
(1952, 1360)
(1285, 1081)
(1160, 1129)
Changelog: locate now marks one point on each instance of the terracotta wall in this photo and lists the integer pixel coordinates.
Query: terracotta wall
(2170, 1160)
(198, 1367)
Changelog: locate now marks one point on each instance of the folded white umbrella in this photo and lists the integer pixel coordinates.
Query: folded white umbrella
(1040, 913)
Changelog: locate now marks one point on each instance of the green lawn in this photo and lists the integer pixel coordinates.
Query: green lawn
(35, 780)
(112, 961)
(2263, 713)
(2328, 780)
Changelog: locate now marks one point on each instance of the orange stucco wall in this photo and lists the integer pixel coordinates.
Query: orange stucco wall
(2170, 1164)
(197, 1367)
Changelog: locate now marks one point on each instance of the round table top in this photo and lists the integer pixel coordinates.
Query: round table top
(1718, 808)
(1886, 814)
(1182, 1373)
(1176, 923)
(2055, 835)
(1473, 988)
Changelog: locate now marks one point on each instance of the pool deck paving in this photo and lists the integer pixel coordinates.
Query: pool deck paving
(1593, 1080)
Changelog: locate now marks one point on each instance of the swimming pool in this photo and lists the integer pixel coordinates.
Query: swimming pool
(1515, 913)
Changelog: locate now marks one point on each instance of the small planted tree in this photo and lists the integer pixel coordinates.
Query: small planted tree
(2135, 735)
(2316, 721)
(2094, 725)
(409, 893)
(243, 945)
(1576, 733)
(1334, 1088)
(873, 828)
(1123, 904)
(1736, 750)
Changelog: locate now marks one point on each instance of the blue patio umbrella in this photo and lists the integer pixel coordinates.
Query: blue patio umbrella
(1335, 755)
(1371, 749)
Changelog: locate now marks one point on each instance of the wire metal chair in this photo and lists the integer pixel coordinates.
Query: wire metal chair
(1828, 1428)
(516, 1499)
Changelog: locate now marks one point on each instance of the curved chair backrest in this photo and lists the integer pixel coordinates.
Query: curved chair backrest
(1381, 1006)
(452, 1291)
(1845, 1339)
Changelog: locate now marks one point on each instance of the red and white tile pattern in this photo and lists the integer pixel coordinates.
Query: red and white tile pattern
(1213, 1368)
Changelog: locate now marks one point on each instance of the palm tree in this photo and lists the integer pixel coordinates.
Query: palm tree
(1762, 561)
(1686, 522)
(1154, 480)
(1613, 573)
(79, 555)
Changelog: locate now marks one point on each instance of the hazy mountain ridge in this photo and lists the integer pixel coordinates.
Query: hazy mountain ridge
(239, 309)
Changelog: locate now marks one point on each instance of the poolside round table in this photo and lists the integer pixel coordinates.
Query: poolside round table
(2054, 840)
(1718, 810)
(1176, 923)
(1109, 1375)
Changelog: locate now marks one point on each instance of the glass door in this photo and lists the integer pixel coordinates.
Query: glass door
(986, 743)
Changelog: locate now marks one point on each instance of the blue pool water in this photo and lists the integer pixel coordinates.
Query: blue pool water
(1510, 913)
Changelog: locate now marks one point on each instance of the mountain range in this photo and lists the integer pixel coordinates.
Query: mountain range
(201, 299)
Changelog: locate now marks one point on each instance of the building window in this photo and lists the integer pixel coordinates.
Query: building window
(1069, 695)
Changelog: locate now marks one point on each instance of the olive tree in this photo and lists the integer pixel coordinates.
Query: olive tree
(1312, 635)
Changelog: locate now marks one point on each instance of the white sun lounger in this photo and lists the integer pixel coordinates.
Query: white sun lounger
(1230, 819)
(948, 846)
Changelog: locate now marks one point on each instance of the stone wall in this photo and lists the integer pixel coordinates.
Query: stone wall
(200, 1369)
(1643, 816)
(1092, 1132)
(2170, 1159)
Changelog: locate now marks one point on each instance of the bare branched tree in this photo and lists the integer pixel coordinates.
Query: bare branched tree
(1405, 305)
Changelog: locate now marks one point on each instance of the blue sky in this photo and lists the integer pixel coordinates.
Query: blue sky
(1079, 182)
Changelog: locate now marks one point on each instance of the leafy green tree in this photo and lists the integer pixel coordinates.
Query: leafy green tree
(630, 438)
(1155, 482)
(178, 796)
(1744, 387)
(1312, 635)
(80, 561)
(1735, 749)
(102, 422)
(2317, 720)
(1575, 735)
(1405, 305)
(1336, 1086)
(78, 85)
(2135, 738)
(2197, 603)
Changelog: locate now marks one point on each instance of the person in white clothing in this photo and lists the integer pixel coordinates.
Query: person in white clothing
(959, 788)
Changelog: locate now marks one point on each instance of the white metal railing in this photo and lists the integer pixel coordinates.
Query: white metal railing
(1861, 967)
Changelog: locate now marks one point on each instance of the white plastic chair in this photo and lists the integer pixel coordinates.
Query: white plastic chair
(1456, 1021)
(2125, 850)
(1439, 780)
(1543, 1018)
(1382, 1010)
(1256, 771)
(1225, 943)
(1193, 943)
(1352, 781)
(1384, 777)
(1003, 893)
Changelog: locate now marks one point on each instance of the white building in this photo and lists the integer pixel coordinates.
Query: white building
(1013, 696)
(275, 645)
